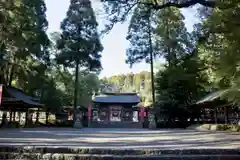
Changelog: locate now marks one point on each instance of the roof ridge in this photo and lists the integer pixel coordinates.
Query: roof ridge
(126, 93)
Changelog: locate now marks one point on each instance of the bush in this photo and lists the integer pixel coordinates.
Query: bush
(219, 127)
(228, 127)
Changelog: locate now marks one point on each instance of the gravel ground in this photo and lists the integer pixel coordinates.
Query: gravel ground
(111, 138)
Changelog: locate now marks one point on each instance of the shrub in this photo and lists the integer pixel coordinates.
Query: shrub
(228, 127)
(219, 127)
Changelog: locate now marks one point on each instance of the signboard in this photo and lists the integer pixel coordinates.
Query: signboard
(1, 93)
(95, 115)
(135, 116)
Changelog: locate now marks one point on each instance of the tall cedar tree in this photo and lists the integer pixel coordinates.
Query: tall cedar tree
(141, 43)
(138, 36)
(79, 43)
(181, 82)
(171, 35)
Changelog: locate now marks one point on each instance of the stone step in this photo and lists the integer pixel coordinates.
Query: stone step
(60, 156)
(68, 153)
(122, 152)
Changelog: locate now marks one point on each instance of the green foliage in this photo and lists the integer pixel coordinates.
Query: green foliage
(220, 50)
(27, 55)
(139, 36)
(177, 88)
(89, 85)
(172, 38)
(23, 25)
(79, 38)
(119, 10)
(227, 127)
(79, 43)
(182, 82)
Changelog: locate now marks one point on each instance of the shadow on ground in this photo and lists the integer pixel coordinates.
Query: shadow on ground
(120, 138)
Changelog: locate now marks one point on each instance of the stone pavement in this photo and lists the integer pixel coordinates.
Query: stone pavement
(119, 138)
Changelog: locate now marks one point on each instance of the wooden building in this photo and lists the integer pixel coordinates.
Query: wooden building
(213, 108)
(116, 110)
(15, 104)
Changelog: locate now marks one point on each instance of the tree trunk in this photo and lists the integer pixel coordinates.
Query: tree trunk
(76, 90)
(11, 76)
(151, 58)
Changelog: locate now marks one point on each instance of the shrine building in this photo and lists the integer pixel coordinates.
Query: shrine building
(116, 110)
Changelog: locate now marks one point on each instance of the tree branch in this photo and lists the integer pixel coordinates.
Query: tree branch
(172, 3)
(123, 17)
(188, 3)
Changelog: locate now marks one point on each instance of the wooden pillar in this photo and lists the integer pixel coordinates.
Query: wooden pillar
(14, 116)
(10, 116)
(237, 118)
(131, 115)
(225, 115)
(4, 118)
(215, 115)
(109, 114)
(47, 116)
(204, 116)
(26, 117)
(142, 110)
(19, 117)
(37, 118)
(89, 115)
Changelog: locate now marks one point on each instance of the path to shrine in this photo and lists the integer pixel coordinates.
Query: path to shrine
(120, 138)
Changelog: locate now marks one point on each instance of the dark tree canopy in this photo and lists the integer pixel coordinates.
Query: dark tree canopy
(80, 39)
(119, 10)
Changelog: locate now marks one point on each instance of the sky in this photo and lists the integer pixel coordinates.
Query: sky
(115, 43)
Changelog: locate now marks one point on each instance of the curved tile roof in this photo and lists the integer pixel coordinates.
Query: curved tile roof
(117, 98)
(19, 95)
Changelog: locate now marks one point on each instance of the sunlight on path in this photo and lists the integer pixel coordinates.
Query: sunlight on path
(120, 138)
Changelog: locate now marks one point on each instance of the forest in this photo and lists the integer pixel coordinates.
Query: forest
(62, 68)
(52, 66)
(139, 83)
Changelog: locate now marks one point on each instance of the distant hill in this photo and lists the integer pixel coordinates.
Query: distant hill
(139, 83)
